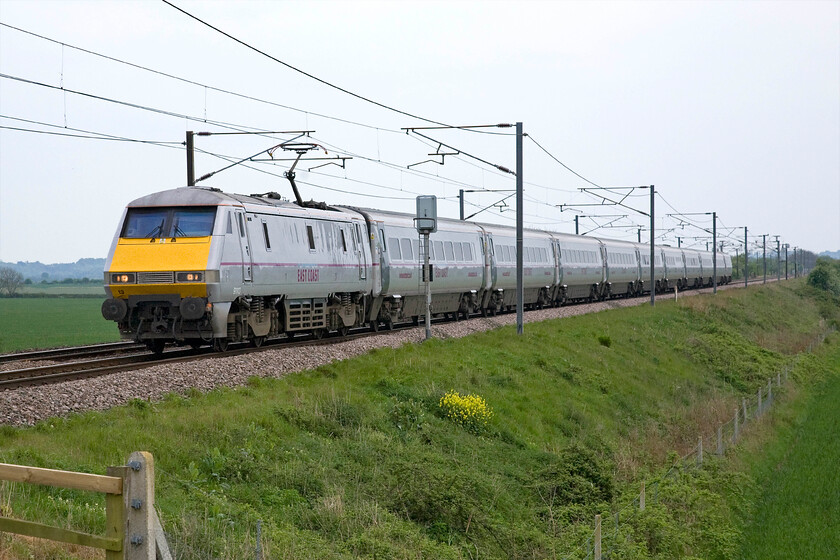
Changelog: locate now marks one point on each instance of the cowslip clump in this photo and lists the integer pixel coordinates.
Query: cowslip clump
(470, 411)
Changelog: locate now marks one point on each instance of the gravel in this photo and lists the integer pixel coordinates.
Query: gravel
(28, 405)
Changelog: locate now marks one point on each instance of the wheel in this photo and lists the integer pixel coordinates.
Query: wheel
(257, 341)
(343, 331)
(318, 334)
(156, 345)
(220, 344)
(484, 312)
(194, 344)
(456, 316)
(374, 326)
(290, 334)
(415, 320)
(389, 324)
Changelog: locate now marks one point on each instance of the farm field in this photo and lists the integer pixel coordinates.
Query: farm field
(28, 323)
(55, 290)
(363, 459)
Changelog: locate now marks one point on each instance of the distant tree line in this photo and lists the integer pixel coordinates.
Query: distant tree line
(826, 275)
(11, 281)
(805, 261)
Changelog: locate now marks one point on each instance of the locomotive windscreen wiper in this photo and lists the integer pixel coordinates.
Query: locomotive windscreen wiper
(158, 229)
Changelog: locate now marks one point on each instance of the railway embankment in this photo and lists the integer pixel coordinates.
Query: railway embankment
(486, 446)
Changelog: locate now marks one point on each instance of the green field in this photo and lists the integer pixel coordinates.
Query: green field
(54, 290)
(357, 459)
(798, 515)
(27, 323)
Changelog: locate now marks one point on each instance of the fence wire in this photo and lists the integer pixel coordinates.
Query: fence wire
(726, 436)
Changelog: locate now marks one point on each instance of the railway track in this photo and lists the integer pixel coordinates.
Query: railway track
(71, 367)
(73, 352)
(82, 369)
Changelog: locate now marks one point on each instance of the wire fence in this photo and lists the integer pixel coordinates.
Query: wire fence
(607, 534)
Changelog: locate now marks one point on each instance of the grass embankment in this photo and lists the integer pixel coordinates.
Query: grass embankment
(27, 323)
(358, 459)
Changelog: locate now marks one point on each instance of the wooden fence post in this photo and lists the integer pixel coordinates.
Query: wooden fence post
(735, 433)
(642, 497)
(700, 451)
(139, 503)
(598, 537)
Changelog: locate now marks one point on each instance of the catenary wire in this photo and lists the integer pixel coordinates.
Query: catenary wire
(222, 124)
(199, 84)
(84, 136)
(316, 78)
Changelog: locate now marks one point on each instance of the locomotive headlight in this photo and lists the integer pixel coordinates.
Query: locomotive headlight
(189, 277)
(123, 278)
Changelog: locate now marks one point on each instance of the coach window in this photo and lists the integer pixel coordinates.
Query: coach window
(241, 226)
(459, 252)
(468, 252)
(311, 235)
(343, 240)
(450, 254)
(229, 223)
(265, 234)
(405, 245)
(394, 251)
(439, 256)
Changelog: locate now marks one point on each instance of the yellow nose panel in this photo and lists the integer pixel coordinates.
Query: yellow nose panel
(167, 254)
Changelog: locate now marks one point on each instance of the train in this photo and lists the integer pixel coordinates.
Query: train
(197, 266)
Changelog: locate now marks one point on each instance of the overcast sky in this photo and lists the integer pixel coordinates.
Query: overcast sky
(731, 107)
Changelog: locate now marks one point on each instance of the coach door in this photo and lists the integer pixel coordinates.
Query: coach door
(360, 253)
(245, 247)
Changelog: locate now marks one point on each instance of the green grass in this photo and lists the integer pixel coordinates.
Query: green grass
(798, 515)
(356, 459)
(55, 290)
(27, 323)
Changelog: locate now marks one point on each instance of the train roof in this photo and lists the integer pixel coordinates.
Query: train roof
(206, 196)
(202, 196)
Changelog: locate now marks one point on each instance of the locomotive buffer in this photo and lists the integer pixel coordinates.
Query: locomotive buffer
(426, 224)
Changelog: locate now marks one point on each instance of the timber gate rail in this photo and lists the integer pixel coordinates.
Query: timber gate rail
(132, 528)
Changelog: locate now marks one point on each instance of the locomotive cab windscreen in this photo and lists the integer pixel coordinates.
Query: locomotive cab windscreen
(152, 223)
